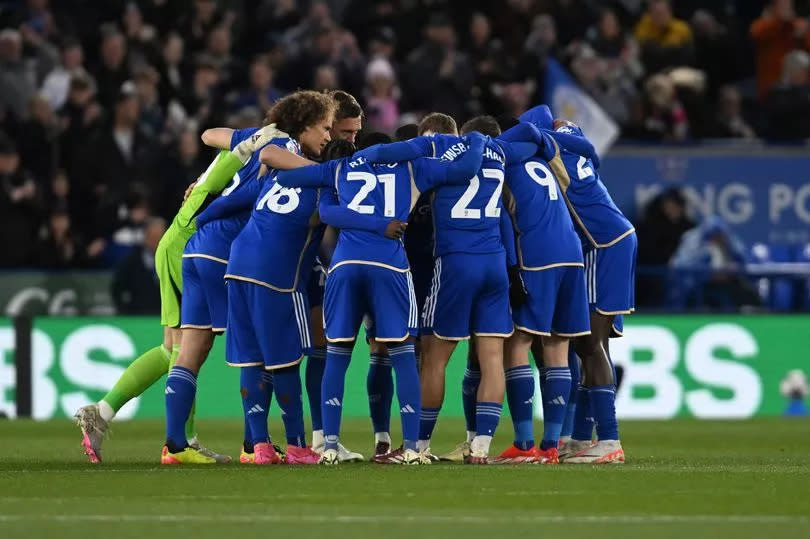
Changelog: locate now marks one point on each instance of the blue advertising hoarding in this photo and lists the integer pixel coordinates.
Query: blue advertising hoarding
(763, 194)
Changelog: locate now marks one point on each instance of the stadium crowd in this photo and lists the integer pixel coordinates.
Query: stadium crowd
(102, 102)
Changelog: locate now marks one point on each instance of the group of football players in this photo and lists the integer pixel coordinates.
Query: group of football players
(502, 233)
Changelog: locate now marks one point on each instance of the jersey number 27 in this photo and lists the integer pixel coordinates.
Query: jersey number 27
(462, 211)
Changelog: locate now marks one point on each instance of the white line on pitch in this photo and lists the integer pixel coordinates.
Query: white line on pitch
(426, 519)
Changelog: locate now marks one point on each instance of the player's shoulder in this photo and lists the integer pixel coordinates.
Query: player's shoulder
(242, 134)
(289, 144)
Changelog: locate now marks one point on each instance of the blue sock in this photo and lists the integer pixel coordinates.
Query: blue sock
(469, 393)
(338, 356)
(181, 388)
(316, 363)
(603, 404)
(558, 390)
(409, 393)
(583, 417)
(257, 389)
(380, 386)
(520, 397)
(570, 410)
(487, 415)
(287, 385)
(427, 422)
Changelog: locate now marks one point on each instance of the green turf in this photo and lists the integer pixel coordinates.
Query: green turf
(683, 479)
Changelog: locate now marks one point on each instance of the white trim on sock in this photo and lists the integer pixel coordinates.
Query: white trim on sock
(317, 438)
(422, 445)
(481, 444)
(382, 437)
(470, 436)
(105, 411)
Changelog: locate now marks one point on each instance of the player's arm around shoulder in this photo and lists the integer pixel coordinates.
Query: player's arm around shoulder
(218, 137)
(282, 159)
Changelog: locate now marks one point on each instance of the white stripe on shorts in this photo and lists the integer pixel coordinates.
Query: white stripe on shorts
(302, 319)
(590, 274)
(413, 313)
(435, 285)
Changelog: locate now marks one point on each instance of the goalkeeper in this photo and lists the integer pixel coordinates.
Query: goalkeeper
(94, 419)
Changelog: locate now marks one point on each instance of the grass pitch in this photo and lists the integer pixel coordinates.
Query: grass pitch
(683, 479)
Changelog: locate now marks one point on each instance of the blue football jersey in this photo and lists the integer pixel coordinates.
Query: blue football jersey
(466, 218)
(382, 190)
(545, 232)
(275, 247)
(599, 222)
(214, 237)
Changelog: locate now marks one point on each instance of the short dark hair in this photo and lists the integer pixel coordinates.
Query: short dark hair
(486, 125)
(406, 132)
(371, 139)
(299, 110)
(438, 123)
(347, 105)
(337, 149)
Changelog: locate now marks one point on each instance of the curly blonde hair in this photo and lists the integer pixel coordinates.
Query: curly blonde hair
(299, 110)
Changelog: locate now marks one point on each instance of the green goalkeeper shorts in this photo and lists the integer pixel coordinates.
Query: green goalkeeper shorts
(169, 267)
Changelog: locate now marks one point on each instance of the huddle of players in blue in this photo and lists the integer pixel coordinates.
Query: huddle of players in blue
(528, 251)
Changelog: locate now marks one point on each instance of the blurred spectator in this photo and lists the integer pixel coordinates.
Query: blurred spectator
(613, 89)
(665, 41)
(135, 286)
(261, 94)
(777, 32)
(382, 97)
(437, 76)
(203, 101)
(196, 26)
(59, 247)
(139, 35)
(729, 121)
(665, 118)
(79, 118)
(382, 44)
(19, 206)
(318, 17)
(120, 156)
(17, 82)
(610, 41)
(716, 50)
(172, 68)
(38, 140)
(230, 68)
(113, 71)
(151, 114)
(718, 258)
(664, 222)
(326, 78)
(182, 164)
(491, 64)
(788, 104)
(56, 85)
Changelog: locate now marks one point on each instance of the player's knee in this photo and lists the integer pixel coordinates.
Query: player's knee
(378, 348)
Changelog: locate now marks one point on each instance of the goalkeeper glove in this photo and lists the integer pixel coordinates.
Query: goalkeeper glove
(245, 149)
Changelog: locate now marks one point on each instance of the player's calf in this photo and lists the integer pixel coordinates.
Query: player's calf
(490, 396)
(432, 381)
